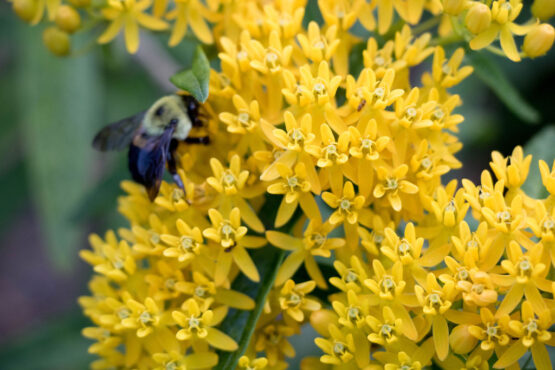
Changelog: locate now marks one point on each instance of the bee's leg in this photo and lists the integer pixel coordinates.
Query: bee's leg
(172, 165)
(198, 140)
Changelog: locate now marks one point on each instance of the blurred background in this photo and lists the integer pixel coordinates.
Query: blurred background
(55, 190)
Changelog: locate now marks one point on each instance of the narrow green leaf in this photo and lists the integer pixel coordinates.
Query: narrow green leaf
(59, 105)
(240, 325)
(195, 80)
(490, 73)
(541, 146)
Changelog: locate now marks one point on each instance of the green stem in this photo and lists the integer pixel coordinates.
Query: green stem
(426, 25)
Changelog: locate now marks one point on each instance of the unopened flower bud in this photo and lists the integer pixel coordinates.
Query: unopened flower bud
(461, 341)
(68, 19)
(453, 7)
(539, 40)
(57, 41)
(321, 319)
(543, 9)
(478, 18)
(25, 9)
(80, 3)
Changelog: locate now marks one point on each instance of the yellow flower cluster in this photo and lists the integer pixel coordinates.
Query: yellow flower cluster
(478, 22)
(333, 166)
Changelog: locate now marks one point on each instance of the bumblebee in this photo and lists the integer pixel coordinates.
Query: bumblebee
(153, 137)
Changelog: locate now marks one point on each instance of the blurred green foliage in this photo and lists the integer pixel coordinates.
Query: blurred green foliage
(51, 108)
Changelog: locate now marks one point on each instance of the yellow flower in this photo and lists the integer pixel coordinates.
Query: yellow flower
(296, 188)
(129, 15)
(318, 47)
(319, 89)
(532, 333)
(351, 278)
(143, 317)
(386, 331)
(293, 300)
(196, 322)
(112, 258)
(436, 300)
(178, 361)
(315, 242)
(503, 15)
(392, 184)
(492, 330)
(186, 245)
(254, 364)
(447, 73)
(347, 207)
(515, 173)
(189, 13)
(527, 274)
(340, 349)
(369, 92)
(231, 236)
(548, 178)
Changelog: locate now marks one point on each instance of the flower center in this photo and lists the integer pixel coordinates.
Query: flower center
(504, 216)
(186, 243)
(319, 88)
(353, 313)
(200, 291)
(243, 118)
(194, 322)
(228, 178)
(293, 182)
(548, 224)
(319, 45)
(404, 247)
(169, 283)
(145, 317)
(379, 92)
(388, 283)
(154, 237)
(391, 183)
(410, 113)
(491, 331)
(426, 162)
(351, 276)
(177, 194)
(123, 313)
(294, 299)
(438, 114)
(345, 204)
(380, 61)
(339, 348)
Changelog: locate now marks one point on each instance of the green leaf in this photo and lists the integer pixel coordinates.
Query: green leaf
(59, 106)
(490, 73)
(195, 80)
(239, 324)
(541, 146)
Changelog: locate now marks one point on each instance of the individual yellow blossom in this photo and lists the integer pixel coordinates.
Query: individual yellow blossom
(347, 207)
(178, 361)
(340, 349)
(384, 332)
(254, 364)
(503, 15)
(392, 185)
(143, 317)
(272, 339)
(527, 275)
(354, 313)
(293, 300)
(532, 332)
(113, 259)
(230, 235)
(189, 13)
(351, 278)
(369, 92)
(318, 47)
(515, 172)
(435, 301)
(492, 331)
(186, 245)
(269, 60)
(196, 322)
(448, 73)
(318, 89)
(202, 289)
(129, 15)
(296, 190)
(315, 242)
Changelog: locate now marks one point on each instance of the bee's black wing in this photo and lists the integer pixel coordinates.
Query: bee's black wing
(147, 162)
(118, 135)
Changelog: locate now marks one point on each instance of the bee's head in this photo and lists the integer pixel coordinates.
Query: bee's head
(165, 112)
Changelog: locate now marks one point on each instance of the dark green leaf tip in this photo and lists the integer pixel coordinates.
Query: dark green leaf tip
(195, 80)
